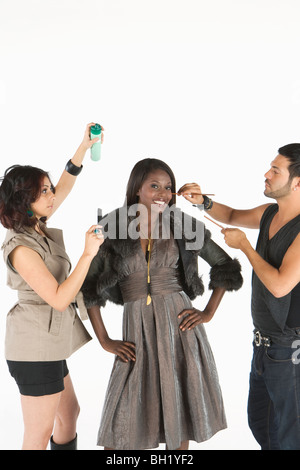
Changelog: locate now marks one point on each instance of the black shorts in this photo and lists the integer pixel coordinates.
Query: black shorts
(39, 378)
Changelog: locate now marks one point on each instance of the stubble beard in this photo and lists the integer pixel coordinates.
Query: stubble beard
(279, 193)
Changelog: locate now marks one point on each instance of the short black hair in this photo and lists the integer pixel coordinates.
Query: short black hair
(292, 153)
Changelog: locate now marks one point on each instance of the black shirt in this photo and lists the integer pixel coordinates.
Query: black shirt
(278, 318)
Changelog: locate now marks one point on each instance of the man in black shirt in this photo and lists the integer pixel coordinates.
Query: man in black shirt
(274, 396)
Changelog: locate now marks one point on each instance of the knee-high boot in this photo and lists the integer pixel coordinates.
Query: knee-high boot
(72, 445)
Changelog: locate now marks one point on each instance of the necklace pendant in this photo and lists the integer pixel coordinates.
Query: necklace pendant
(148, 299)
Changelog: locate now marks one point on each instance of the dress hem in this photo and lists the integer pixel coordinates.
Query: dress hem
(157, 444)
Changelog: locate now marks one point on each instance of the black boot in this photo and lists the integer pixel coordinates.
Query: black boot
(72, 445)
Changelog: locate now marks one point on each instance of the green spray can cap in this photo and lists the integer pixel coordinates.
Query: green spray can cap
(96, 129)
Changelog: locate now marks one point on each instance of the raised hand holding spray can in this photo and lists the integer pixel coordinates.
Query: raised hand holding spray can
(96, 148)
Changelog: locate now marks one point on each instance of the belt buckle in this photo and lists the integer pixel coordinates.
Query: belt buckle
(257, 338)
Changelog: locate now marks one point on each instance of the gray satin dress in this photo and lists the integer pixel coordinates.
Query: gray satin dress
(171, 392)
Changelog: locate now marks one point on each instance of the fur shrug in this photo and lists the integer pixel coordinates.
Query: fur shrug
(106, 270)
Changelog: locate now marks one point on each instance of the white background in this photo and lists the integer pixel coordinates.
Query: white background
(212, 87)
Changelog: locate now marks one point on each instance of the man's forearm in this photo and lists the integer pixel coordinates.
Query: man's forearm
(221, 212)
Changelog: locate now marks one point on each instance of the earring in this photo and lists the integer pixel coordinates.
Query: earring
(29, 213)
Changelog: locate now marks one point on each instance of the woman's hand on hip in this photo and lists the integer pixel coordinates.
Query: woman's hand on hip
(193, 317)
(125, 350)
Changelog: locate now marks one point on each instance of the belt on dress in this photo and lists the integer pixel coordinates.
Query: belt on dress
(164, 280)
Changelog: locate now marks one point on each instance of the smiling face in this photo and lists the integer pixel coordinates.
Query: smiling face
(156, 191)
(43, 206)
(277, 183)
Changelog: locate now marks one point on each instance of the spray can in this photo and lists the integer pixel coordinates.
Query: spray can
(96, 148)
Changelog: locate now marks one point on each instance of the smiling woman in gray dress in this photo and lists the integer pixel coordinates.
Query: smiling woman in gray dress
(164, 386)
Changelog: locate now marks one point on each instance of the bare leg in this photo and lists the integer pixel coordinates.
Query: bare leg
(66, 415)
(40, 414)
(184, 446)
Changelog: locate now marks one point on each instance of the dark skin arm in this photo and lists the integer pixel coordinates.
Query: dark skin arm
(193, 317)
(125, 350)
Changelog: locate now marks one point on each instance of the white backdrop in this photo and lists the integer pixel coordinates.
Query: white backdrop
(210, 86)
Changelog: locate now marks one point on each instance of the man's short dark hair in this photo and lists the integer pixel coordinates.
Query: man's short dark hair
(292, 153)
